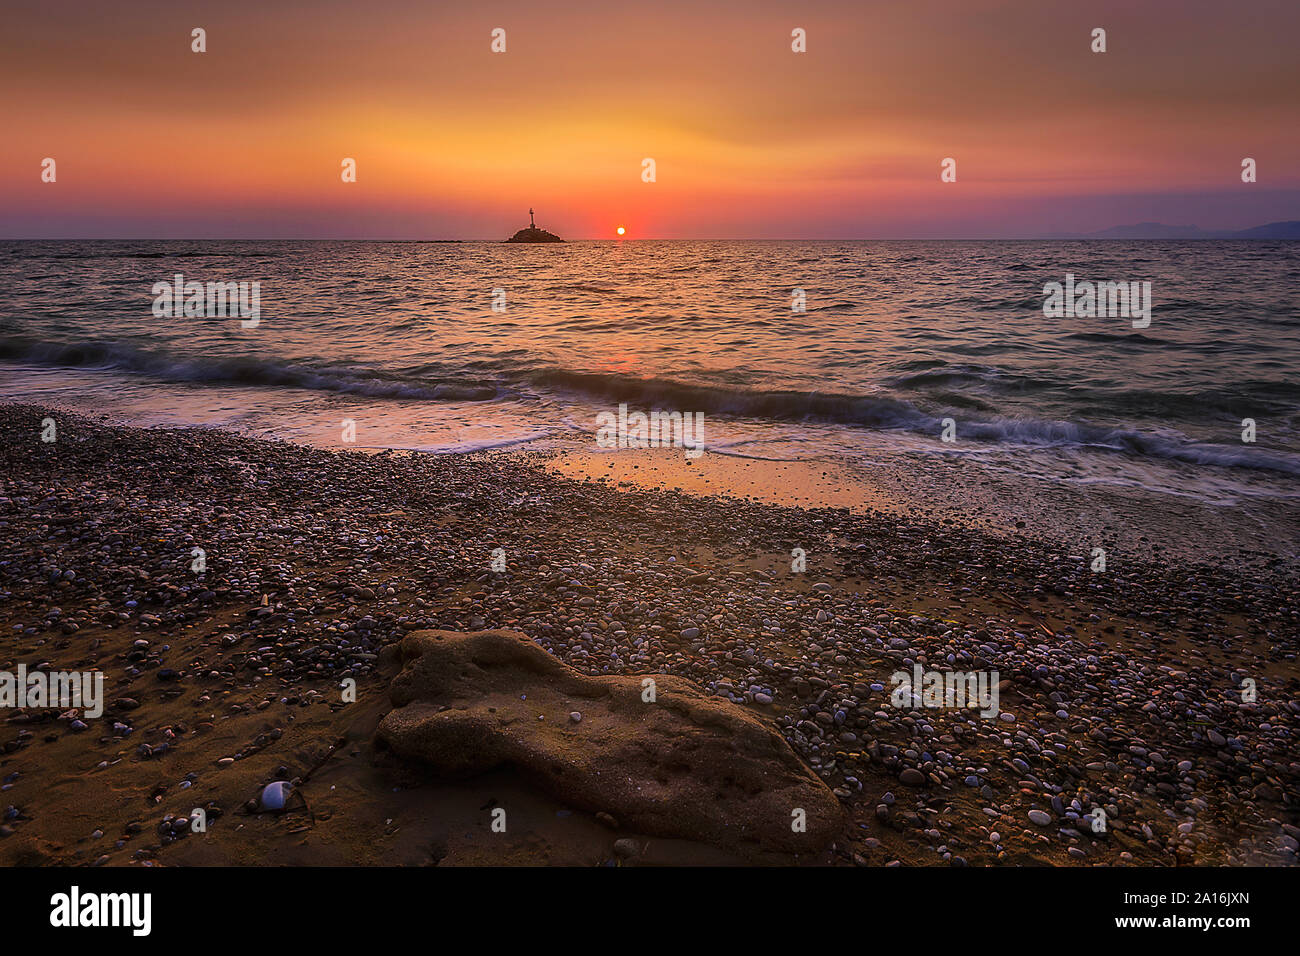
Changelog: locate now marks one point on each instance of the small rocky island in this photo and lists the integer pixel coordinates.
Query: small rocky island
(532, 234)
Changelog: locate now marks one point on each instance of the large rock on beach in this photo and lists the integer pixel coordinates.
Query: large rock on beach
(685, 765)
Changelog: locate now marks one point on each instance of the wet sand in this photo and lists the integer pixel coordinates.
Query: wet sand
(1074, 516)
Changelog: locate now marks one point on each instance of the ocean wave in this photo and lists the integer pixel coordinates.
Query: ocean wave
(1043, 434)
(831, 407)
(437, 383)
(1124, 338)
(978, 375)
(886, 413)
(243, 370)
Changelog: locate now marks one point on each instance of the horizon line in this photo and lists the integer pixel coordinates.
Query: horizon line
(1059, 237)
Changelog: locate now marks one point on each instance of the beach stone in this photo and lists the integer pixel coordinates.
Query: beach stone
(912, 777)
(688, 765)
(1039, 817)
(274, 795)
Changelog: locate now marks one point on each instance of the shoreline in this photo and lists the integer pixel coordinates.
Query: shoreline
(353, 551)
(1250, 519)
(1144, 524)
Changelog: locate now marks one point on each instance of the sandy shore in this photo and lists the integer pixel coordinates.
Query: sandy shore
(1121, 690)
(1139, 523)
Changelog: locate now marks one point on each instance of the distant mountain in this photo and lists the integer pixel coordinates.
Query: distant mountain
(1158, 230)
(1274, 230)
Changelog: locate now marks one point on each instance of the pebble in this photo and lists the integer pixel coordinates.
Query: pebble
(275, 795)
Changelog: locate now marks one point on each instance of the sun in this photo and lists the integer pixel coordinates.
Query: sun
(622, 231)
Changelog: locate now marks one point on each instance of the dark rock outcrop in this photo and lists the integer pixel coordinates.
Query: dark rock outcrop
(685, 765)
(533, 234)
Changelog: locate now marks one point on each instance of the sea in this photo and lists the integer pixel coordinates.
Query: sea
(857, 351)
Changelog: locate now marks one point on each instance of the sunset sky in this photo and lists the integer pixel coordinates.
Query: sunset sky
(749, 138)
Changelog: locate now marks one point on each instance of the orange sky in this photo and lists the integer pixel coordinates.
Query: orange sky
(749, 138)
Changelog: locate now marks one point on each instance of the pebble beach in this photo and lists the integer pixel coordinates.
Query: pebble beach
(1162, 692)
